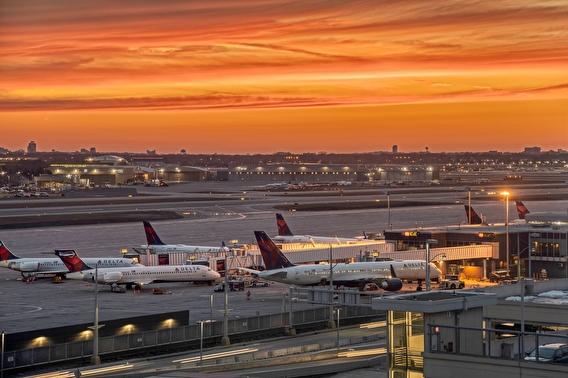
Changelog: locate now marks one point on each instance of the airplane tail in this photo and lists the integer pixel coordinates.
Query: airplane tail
(72, 260)
(271, 255)
(283, 229)
(472, 216)
(151, 235)
(6, 254)
(521, 209)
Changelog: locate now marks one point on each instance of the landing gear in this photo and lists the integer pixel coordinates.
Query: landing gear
(28, 277)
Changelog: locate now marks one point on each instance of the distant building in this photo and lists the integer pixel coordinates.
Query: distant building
(32, 148)
(532, 150)
(288, 172)
(395, 149)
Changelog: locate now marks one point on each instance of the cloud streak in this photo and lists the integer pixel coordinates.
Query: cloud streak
(177, 55)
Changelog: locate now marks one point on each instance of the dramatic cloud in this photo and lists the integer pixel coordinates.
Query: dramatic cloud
(256, 56)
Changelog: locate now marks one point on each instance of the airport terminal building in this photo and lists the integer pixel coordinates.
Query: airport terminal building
(536, 248)
(115, 170)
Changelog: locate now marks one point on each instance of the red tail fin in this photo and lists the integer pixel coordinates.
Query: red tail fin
(271, 255)
(521, 209)
(72, 260)
(151, 235)
(283, 229)
(472, 217)
(5, 253)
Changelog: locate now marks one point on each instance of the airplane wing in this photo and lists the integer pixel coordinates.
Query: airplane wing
(276, 275)
(266, 274)
(251, 271)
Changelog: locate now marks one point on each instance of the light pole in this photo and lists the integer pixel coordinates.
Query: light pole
(428, 242)
(531, 235)
(201, 343)
(337, 316)
(2, 367)
(466, 187)
(96, 360)
(506, 194)
(210, 314)
(387, 192)
(225, 340)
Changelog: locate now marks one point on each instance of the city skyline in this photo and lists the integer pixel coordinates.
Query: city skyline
(266, 76)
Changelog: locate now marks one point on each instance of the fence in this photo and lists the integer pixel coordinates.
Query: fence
(171, 337)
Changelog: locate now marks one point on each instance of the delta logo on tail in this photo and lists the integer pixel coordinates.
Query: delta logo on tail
(5, 253)
(273, 258)
(283, 229)
(151, 235)
(521, 209)
(472, 216)
(71, 260)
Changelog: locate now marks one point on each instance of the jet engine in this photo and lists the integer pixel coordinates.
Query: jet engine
(392, 284)
(27, 267)
(111, 277)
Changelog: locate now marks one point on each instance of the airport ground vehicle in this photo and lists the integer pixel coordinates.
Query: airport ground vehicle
(259, 283)
(553, 352)
(451, 281)
(233, 286)
(117, 289)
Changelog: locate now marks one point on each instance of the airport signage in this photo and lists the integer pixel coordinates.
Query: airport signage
(484, 235)
(411, 234)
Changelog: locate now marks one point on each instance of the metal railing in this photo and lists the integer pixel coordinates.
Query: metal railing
(501, 343)
(175, 336)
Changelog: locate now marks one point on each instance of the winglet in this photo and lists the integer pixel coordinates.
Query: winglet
(521, 209)
(283, 229)
(271, 255)
(393, 274)
(6, 254)
(72, 260)
(151, 235)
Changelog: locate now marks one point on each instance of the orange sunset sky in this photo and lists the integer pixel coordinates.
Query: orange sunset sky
(261, 76)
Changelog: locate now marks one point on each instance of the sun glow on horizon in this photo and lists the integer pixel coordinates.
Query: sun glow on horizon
(247, 77)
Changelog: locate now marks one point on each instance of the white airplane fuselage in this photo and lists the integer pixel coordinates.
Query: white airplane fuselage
(314, 274)
(170, 248)
(147, 274)
(313, 239)
(47, 265)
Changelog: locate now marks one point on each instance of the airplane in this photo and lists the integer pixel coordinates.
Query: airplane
(472, 217)
(156, 245)
(135, 275)
(285, 235)
(521, 209)
(276, 185)
(30, 267)
(358, 274)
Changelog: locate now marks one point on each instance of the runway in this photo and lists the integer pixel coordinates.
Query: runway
(241, 211)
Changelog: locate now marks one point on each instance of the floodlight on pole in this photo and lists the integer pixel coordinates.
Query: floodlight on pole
(506, 194)
(428, 242)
